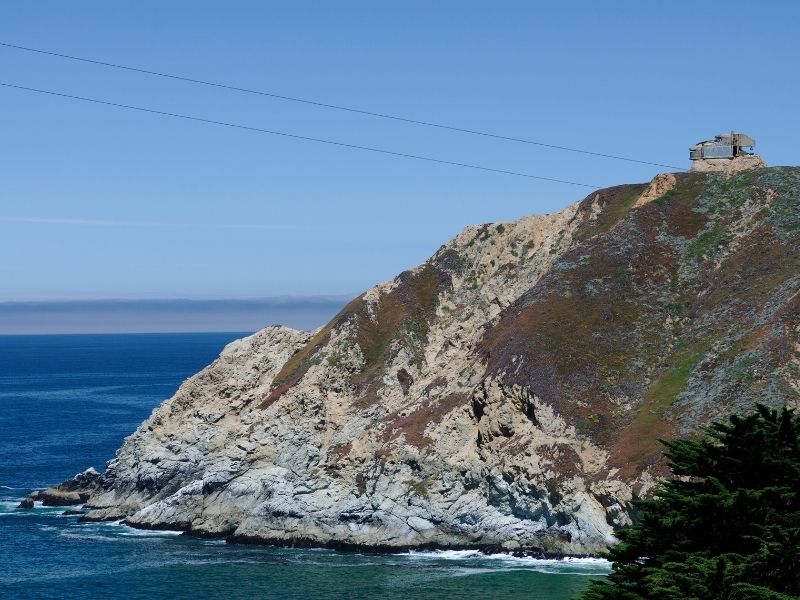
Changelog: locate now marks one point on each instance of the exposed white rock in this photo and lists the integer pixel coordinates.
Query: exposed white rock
(728, 165)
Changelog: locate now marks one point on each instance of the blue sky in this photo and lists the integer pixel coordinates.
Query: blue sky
(98, 202)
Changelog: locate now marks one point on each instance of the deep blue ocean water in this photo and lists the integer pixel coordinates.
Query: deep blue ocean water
(66, 403)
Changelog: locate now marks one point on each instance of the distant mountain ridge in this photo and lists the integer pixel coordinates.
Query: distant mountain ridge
(508, 393)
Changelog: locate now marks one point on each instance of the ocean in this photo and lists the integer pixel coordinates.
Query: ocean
(67, 402)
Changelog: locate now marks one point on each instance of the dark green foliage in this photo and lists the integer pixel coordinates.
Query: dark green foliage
(664, 198)
(705, 242)
(623, 275)
(726, 527)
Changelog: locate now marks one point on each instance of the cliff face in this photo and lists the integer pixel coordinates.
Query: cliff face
(508, 392)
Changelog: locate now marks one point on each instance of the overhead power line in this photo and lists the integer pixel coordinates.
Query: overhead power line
(296, 136)
(337, 107)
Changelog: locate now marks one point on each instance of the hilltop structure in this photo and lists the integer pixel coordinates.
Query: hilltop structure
(727, 152)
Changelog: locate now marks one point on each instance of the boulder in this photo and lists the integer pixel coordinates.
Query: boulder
(58, 497)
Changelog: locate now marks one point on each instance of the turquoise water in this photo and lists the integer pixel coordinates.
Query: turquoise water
(66, 402)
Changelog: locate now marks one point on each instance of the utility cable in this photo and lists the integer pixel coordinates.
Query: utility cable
(337, 107)
(296, 136)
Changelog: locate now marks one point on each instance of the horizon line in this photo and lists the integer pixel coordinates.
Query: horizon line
(97, 333)
(118, 299)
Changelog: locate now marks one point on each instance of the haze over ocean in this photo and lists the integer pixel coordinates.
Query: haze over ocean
(149, 316)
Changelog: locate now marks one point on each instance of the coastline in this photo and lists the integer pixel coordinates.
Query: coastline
(340, 546)
(484, 550)
(309, 543)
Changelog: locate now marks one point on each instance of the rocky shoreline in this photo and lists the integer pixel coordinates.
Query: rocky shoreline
(54, 496)
(487, 549)
(76, 491)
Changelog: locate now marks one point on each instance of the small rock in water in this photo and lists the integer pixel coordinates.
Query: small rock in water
(27, 503)
(56, 497)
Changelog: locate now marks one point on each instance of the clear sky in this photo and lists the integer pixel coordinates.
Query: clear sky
(98, 202)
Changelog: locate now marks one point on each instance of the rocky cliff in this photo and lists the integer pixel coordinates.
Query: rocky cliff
(509, 392)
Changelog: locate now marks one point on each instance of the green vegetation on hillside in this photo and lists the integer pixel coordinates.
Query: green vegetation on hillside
(726, 526)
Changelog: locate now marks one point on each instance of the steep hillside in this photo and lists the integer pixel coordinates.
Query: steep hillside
(509, 392)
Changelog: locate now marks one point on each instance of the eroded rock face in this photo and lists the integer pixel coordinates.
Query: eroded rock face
(661, 185)
(507, 393)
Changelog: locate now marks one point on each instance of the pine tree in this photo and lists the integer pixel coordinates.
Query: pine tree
(726, 526)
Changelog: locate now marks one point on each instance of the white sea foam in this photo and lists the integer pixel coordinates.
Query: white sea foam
(445, 554)
(214, 542)
(550, 564)
(128, 531)
(133, 532)
(9, 507)
(85, 536)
